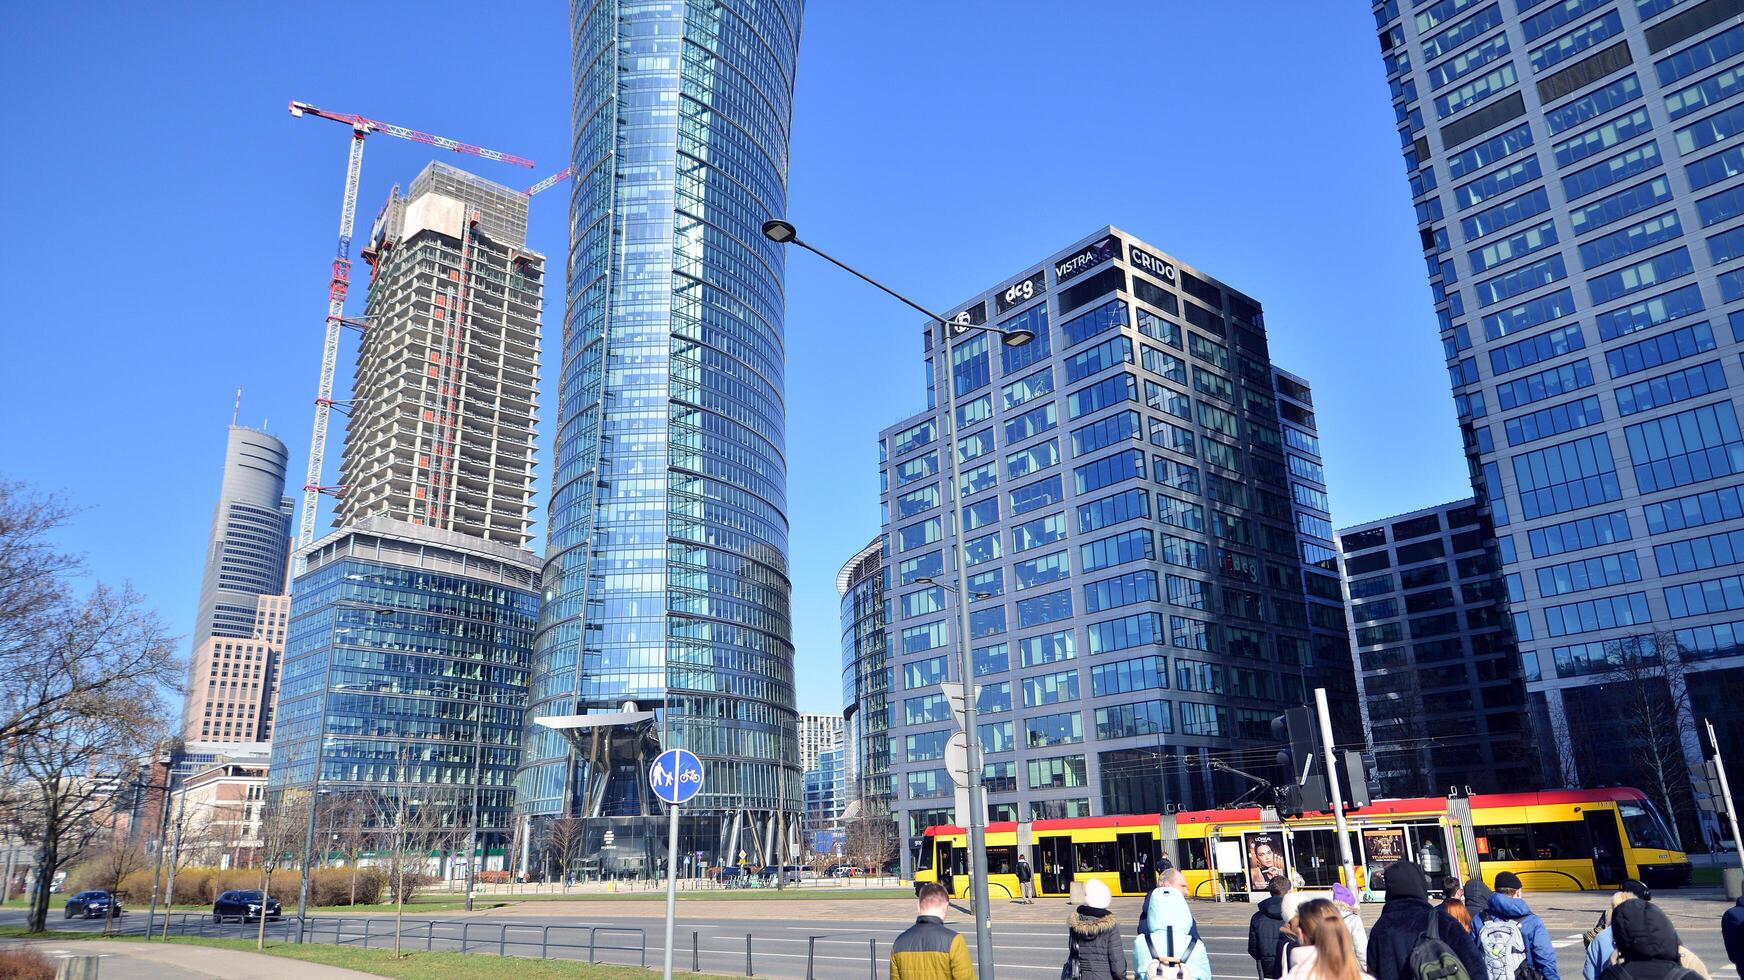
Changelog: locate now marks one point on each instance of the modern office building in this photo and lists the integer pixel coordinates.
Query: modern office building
(406, 675)
(1443, 694)
(866, 676)
(1578, 181)
(443, 407)
(825, 792)
(233, 661)
(1136, 575)
(666, 618)
(817, 734)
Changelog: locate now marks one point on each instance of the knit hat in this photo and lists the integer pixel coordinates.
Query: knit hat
(1342, 893)
(1097, 895)
(1507, 879)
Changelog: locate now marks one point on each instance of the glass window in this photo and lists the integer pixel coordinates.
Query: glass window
(1045, 731)
(1050, 688)
(1124, 506)
(1037, 457)
(1040, 571)
(1034, 534)
(1026, 389)
(1043, 609)
(1047, 648)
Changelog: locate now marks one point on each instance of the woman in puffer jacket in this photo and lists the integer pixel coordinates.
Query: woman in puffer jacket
(1094, 948)
(1345, 900)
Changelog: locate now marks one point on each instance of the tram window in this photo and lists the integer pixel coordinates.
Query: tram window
(1504, 843)
(1193, 854)
(1644, 823)
(926, 855)
(1562, 841)
(1001, 860)
(1098, 856)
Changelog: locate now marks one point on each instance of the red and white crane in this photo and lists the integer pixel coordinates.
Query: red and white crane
(361, 127)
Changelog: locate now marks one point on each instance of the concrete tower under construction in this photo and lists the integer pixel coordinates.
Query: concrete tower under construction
(443, 410)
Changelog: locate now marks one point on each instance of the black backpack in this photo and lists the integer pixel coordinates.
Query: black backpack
(1432, 959)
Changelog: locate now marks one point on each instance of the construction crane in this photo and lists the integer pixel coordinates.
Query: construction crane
(337, 287)
(551, 181)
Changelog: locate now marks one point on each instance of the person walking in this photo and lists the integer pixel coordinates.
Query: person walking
(1406, 919)
(1511, 934)
(1094, 948)
(1476, 896)
(1290, 936)
(1732, 931)
(1168, 946)
(1647, 945)
(1456, 908)
(1326, 952)
(928, 950)
(1600, 943)
(1263, 929)
(1345, 900)
(1452, 888)
(1025, 880)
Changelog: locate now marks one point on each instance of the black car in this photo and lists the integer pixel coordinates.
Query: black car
(244, 905)
(91, 905)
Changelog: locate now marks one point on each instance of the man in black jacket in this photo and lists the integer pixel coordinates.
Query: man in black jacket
(1405, 919)
(1025, 880)
(1262, 930)
(1647, 944)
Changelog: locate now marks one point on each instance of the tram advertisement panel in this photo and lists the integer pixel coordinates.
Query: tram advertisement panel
(1265, 859)
(1381, 847)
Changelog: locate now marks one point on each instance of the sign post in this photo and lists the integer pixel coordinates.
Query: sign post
(676, 776)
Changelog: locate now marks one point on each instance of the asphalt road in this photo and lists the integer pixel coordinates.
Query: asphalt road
(1028, 941)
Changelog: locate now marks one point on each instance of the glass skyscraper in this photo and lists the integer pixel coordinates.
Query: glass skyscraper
(666, 578)
(1145, 518)
(866, 681)
(1578, 179)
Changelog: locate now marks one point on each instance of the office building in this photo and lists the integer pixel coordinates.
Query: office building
(817, 733)
(406, 676)
(865, 682)
(443, 406)
(238, 627)
(1578, 183)
(825, 791)
(220, 808)
(1442, 691)
(666, 618)
(1131, 509)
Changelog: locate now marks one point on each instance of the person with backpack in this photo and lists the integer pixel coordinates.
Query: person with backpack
(1476, 896)
(1025, 880)
(1413, 940)
(1168, 946)
(1326, 952)
(1095, 950)
(1263, 929)
(1647, 946)
(1732, 931)
(1514, 941)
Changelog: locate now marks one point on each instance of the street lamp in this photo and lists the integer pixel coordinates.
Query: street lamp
(783, 233)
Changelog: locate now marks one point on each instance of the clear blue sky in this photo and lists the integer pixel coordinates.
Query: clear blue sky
(169, 225)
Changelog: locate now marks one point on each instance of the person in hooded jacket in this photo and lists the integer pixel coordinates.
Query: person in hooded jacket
(1600, 944)
(1477, 901)
(1647, 945)
(1263, 930)
(1506, 905)
(1732, 931)
(1345, 900)
(1405, 918)
(1093, 937)
(1169, 931)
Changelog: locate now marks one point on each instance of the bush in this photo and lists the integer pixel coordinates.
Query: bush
(493, 877)
(332, 886)
(415, 882)
(21, 963)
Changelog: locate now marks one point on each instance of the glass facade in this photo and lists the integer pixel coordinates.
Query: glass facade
(1146, 536)
(867, 676)
(665, 583)
(1579, 218)
(405, 673)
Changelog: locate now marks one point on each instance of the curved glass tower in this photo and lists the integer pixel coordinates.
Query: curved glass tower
(666, 587)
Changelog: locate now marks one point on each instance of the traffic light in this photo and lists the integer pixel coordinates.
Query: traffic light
(1302, 759)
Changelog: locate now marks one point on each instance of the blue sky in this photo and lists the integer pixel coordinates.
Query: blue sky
(170, 227)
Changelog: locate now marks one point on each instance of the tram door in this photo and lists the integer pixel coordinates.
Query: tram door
(1608, 863)
(1056, 864)
(946, 868)
(1138, 875)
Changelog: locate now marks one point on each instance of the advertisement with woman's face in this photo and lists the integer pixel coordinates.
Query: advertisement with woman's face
(1265, 859)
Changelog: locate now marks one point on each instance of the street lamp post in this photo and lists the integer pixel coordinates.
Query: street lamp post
(781, 232)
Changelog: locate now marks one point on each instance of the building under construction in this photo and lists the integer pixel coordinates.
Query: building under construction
(443, 409)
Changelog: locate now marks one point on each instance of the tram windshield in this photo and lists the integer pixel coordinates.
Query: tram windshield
(1644, 824)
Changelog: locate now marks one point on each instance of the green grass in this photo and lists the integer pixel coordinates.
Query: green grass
(412, 965)
(1705, 876)
(723, 895)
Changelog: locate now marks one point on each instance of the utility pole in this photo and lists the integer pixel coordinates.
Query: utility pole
(1725, 791)
(1334, 790)
(163, 821)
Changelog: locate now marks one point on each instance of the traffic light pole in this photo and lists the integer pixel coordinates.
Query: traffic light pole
(1725, 791)
(1334, 790)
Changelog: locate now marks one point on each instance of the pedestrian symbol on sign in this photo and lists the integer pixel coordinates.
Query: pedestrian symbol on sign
(676, 776)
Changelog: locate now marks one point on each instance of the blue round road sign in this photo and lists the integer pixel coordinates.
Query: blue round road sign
(676, 776)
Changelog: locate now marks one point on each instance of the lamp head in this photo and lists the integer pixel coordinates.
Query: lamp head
(1018, 337)
(778, 231)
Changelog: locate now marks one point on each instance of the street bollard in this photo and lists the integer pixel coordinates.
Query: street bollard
(810, 957)
(873, 957)
(695, 955)
(748, 956)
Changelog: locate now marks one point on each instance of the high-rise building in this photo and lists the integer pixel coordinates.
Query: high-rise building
(865, 681)
(406, 675)
(443, 407)
(666, 618)
(817, 734)
(1440, 675)
(239, 625)
(825, 792)
(1133, 480)
(1578, 186)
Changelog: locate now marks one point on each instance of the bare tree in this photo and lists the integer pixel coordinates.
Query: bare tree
(284, 826)
(350, 815)
(563, 837)
(421, 821)
(1650, 696)
(871, 836)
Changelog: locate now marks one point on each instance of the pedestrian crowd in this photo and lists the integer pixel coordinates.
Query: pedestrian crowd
(1475, 933)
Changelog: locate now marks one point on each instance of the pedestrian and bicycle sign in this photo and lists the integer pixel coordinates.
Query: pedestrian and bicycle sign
(676, 776)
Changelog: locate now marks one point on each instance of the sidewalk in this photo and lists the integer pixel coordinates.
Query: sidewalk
(128, 961)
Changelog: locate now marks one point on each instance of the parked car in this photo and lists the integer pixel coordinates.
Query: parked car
(92, 905)
(792, 874)
(244, 905)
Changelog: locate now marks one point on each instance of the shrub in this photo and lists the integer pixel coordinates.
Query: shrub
(415, 882)
(493, 877)
(22, 963)
(332, 886)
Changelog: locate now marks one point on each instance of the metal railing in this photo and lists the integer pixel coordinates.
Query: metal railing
(455, 935)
